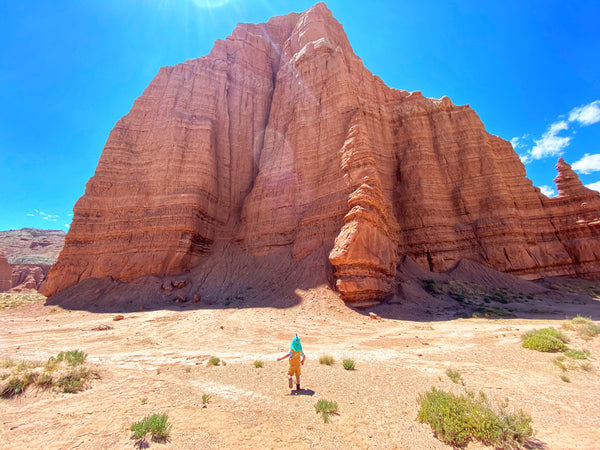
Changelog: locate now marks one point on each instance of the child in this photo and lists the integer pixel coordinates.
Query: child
(297, 358)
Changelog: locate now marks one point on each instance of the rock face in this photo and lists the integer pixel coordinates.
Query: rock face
(281, 142)
(30, 253)
(5, 274)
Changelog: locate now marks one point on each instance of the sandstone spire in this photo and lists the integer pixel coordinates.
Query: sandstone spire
(568, 183)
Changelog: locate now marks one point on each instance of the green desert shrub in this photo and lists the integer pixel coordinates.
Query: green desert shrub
(326, 408)
(576, 354)
(73, 357)
(157, 425)
(459, 419)
(348, 364)
(455, 376)
(545, 340)
(214, 361)
(17, 384)
(326, 359)
(58, 372)
(75, 380)
(258, 364)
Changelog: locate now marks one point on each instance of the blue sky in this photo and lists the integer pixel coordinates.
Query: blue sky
(70, 69)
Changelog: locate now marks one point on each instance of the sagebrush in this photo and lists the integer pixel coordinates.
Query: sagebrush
(459, 419)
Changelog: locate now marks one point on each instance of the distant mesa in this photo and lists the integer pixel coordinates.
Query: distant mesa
(279, 160)
(29, 254)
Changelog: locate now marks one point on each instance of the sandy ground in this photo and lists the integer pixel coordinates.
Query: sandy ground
(154, 361)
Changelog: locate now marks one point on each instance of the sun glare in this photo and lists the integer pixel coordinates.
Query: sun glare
(209, 4)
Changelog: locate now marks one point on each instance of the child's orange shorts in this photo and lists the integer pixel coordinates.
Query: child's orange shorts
(295, 364)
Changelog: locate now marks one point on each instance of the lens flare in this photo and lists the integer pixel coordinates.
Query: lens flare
(209, 4)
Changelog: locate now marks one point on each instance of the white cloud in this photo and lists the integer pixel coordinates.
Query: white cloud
(587, 164)
(551, 144)
(44, 216)
(595, 186)
(515, 142)
(548, 191)
(587, 114)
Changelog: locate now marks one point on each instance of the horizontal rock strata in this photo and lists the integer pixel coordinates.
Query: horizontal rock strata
(280, 140)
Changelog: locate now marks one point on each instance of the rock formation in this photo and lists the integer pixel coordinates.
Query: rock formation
(280, 142)
(31, 253)
(5, 274)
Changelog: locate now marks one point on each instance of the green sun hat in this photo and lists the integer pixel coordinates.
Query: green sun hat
(296, 345)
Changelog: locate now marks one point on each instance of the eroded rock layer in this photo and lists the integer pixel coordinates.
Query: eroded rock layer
(30, 253)
(280, 139)
(5, 274)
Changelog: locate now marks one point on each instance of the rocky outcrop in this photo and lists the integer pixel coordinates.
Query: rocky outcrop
(5, 274)
(365, 251)
(29, 276)
(280, 142)
(31, 252)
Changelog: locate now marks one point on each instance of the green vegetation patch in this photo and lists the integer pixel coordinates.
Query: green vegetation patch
(545, 340)
(349, 364)
(576, 354)
(64, 373)
(478, 297)
(455, 376)
(213, 361)
(459, 419)
(326, 408)
(157, 425)
(9, 300)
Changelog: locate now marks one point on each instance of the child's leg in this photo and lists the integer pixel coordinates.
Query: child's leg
(298, 382)
(290, 381)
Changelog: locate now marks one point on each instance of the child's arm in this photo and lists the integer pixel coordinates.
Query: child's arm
(287, 355)
(303, 358)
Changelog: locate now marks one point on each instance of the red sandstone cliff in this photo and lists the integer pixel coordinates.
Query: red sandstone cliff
(281, 142)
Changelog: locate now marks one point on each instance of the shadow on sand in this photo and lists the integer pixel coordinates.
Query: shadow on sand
(308, 392)
(465, 291)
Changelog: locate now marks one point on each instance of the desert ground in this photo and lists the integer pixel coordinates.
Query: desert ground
(154, 360)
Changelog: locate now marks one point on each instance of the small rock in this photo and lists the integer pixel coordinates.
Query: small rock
(179, 284)
(372, 315)
(180, 299)
(196, 298)
(119, 317)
